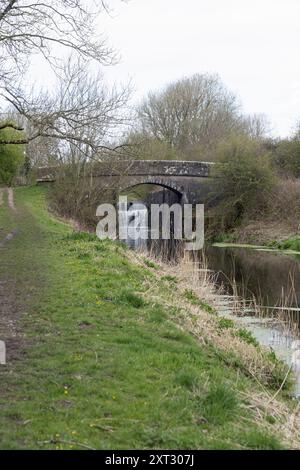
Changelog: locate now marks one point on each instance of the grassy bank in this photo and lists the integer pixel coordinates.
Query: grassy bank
(110, 350)
(292, 244)
(262, 238)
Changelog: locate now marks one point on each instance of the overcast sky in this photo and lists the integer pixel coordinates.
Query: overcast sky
(254, 45)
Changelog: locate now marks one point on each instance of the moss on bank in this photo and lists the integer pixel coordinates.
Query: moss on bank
(117, 356)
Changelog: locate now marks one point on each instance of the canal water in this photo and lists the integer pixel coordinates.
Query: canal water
(272, 277)
(268, 284)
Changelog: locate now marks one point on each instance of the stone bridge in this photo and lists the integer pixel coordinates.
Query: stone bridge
(190, 180)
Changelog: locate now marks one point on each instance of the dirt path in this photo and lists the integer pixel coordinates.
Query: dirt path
(12, 207)
(11, 201)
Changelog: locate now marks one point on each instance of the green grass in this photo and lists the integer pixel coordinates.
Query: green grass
(292, 244)
(247, 336)
(289, 247)
(219, 404)
(104, 367)
(194, 300)
(170, 279)
(225, 323)
(224, 238)
(150, 264)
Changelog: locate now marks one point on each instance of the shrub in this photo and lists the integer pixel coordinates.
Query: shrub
(76, 194)
(11, 156)
(244, 180)
(287, 157)
(284, 202)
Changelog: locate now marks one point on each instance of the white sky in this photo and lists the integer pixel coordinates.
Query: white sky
(254, 45)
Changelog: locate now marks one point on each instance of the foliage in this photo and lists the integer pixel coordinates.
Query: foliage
(291, 244)
(247, 336)
(287, 157)
(225, 323)
(11, 156)
(145, 147)
(244, 180)
(194, 300)
(76, 195)
(284, 202)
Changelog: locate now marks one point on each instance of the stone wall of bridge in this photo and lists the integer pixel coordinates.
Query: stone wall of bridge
(190, 180)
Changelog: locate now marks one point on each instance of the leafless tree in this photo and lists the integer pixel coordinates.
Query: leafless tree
(257, 126)
(190, 112)
(82, 110)
(296, 131)
(30, 27)
(81, 113)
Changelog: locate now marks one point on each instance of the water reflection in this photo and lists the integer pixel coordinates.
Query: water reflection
(272, 278)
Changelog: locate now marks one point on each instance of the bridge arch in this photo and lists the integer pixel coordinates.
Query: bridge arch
(170, 185)
(191, 180)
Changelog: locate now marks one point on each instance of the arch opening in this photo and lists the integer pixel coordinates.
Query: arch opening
(143, 191)
(147, 194)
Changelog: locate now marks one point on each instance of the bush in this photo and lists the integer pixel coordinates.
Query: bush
(244, 180)
(284, 202)
(11, 156)
(287, 157)
(75, 194)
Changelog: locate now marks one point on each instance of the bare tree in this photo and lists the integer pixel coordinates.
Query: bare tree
(190, 112)
(81, 103)
(257, 126)
(81, 113)
(296, 132)
(30, 27)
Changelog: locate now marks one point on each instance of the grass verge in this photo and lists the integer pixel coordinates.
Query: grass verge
(117, 356)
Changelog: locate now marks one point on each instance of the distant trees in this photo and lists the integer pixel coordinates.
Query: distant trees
(257, 126)
(191, 115)
(146, 147)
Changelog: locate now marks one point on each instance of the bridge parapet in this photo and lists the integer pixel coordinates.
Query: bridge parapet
(164, 168)
(154, 168)
(189, 179)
